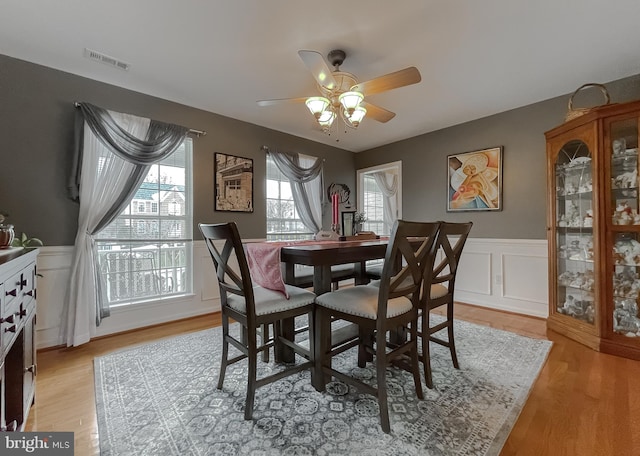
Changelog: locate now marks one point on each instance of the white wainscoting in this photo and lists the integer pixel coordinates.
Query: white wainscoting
(54, 263)
(505, 274)
(497, 273)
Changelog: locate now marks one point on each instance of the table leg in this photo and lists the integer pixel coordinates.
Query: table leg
(288, 273)
(361, 273)
(283, 353)
(321, 279)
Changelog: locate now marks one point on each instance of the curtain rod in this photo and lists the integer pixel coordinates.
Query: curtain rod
(191, 130)
(266, 149)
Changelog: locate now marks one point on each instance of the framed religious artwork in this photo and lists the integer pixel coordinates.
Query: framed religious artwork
(233, 183)
(474, 181)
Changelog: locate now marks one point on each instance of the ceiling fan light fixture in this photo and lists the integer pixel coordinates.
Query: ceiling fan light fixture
(317, 106)
(356, 117)
(326, 120)
(350, 100)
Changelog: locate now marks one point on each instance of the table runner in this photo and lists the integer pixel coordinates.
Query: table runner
(263, 259)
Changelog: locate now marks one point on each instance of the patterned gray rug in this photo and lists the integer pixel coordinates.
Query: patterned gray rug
(161, 399)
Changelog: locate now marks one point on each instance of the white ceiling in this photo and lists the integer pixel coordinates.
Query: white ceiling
(476, 58)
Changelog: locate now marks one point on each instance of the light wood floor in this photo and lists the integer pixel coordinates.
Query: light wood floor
(583, 402)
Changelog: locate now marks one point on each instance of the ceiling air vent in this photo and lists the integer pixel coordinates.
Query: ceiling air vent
(103, 58)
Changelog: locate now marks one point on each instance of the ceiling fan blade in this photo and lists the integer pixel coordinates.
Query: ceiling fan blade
(281, 101)
(389, 81)
(377, 113)
(319, 69)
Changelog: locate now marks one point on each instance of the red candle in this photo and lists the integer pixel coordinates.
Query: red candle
(334, 198)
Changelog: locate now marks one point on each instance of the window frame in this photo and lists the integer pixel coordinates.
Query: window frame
(363, 172)
(280, 236)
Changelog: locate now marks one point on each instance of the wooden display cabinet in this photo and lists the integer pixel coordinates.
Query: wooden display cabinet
(593, 223)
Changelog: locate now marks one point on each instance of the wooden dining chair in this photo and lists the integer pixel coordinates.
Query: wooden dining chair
(378, 309)
(438, 291)
(253, 307)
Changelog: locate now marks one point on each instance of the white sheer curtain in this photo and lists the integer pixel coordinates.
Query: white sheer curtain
(305, 175)
(103, 178)
(389, 190)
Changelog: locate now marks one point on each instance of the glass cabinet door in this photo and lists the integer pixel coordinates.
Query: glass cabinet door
(626, 231)
(574, 232)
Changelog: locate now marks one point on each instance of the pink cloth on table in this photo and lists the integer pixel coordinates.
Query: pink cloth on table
(263, 259)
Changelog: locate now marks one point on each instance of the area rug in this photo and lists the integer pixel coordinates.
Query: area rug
(161, 399)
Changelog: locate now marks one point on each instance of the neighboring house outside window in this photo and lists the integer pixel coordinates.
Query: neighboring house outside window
(146, 252)
(283, 222)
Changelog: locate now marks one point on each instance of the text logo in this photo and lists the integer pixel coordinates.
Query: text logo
(36, 443)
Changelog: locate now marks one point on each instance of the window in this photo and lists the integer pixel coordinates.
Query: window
(373, 206)
(372, 201)
(147, 254)
(283, 222)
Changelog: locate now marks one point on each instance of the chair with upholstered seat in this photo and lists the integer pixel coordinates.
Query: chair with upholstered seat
(438, 291)
(253, 307)
(391, 304)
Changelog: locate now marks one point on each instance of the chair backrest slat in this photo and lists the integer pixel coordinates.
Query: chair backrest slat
(229, 280)
(447, 268)
(410, 251)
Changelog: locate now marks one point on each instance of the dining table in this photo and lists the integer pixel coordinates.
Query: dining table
(321, 255)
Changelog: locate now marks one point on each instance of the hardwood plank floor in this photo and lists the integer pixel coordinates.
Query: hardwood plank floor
(583, 402)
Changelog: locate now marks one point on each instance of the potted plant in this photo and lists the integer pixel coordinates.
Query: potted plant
(25, 241)
(6, 232)
(358, 219)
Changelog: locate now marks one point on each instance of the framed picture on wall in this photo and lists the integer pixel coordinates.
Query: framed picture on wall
(474, 181)
(233, 183)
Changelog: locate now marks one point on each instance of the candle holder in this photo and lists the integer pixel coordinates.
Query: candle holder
(335, 227)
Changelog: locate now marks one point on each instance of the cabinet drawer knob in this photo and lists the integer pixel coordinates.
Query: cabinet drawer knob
(11, 293)
(11, 329)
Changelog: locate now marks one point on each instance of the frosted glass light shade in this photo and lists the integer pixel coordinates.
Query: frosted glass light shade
(317, 105)
(326, 119)
(350, 101)
(357, 116)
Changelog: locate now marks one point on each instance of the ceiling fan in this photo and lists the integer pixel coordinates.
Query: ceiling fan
(342, 96)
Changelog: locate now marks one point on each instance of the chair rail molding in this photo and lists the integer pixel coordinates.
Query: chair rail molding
(504, 274)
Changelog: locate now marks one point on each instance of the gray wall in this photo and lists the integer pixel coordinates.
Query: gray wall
(36, 128)
(36, 131)
(520, 132)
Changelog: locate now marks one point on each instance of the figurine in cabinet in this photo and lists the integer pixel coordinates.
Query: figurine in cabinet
(619, 146)
(626, 180)
(625, 317)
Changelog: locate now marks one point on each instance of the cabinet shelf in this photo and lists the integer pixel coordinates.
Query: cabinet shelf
(577, 196)
(576, 260)
(576, 229)
(584, 290)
